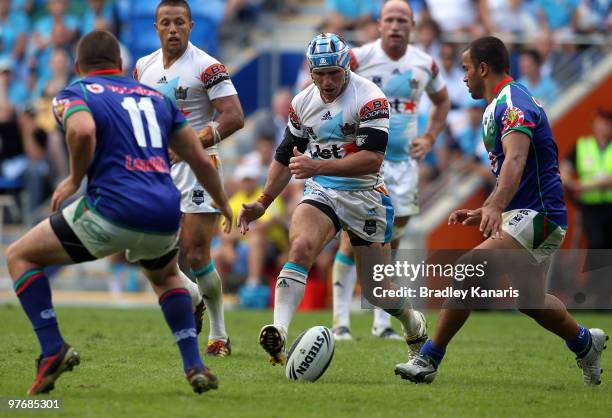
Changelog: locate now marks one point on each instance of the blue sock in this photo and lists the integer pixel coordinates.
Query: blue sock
(34, 293)
(433, 352)
(582, 343)
(177, 309)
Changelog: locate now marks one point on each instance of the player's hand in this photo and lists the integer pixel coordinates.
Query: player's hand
(249, 213)
(174, 158)
(302, 166)
(228, 217)
(465, 217)
(420, 147)
(493, 161)
(206, 137)
(63, 191)
(491, 222)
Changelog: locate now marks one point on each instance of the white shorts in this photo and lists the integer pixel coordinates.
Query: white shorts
(102, 237)
(540, 236)
(402, 182)
(366, 213)
(194, 198)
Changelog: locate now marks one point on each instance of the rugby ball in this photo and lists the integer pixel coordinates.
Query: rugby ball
(310, 354)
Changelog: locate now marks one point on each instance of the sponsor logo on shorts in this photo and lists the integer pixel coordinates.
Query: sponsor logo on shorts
(197, 197)
(370, 226)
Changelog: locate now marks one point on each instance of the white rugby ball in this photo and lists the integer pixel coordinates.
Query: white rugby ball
(310, 354)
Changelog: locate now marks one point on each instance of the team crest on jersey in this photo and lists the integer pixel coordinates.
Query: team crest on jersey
(214, 75)
(95, 88)
(197, 197)
(59, 108)
(414, 83)
(374, 109)
(377, 80)
(294, 119)
(180, 93)
(348, 129)
(513, 117)
(310, 132)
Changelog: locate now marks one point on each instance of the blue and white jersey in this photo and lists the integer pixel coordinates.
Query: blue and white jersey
(331, 128)
(403, 82)
(128, 180)
(514, 109)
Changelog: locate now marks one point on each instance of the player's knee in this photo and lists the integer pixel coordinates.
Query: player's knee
(302, 250)
(13, 256)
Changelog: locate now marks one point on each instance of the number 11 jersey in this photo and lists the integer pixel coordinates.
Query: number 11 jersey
(128, 180)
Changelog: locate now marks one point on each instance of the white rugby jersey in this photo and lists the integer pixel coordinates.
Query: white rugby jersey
(193, 81)
(331, 128)
(403, 82)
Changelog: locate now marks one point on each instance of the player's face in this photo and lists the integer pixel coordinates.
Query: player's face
(330, 82)
(471, 78)
(173, 28)
(395, 24)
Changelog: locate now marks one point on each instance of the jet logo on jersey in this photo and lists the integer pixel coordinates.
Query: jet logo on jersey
(326, 153)
(181, 93)
(327, 116)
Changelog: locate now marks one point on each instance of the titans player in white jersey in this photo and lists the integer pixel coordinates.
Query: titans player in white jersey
(343, 120)
(200, 85)
(404, 73)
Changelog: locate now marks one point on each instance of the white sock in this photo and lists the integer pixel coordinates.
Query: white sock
(290, 287)
(344, 277)
(411, 322)
(212, 290)
(382, 319)
(194, 290)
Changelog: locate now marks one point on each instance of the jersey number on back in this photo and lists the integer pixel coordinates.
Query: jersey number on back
(144, 105)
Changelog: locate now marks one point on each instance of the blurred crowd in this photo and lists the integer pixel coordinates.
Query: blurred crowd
(37, 39)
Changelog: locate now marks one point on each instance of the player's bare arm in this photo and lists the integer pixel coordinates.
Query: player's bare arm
(516, 148)
(185, 145)
(435, 123)
(230, 119)
(81, 140)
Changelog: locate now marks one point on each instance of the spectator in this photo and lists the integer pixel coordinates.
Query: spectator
(262, 155)
(350, 14)
(453, 76)
(507, 16)
(591, 162)
(274, 123)
(453, 15)
(558, 15)
(12, 161)
(428, 37)
(14, 90)
(266, 239)
(594, 16)
(98, 15)
(14, 26)
(52, 81)
(543, 88)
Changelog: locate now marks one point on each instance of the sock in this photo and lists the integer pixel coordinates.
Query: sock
(582, 343)
(34, 293)
(382, 320)
(212, 290)
(344, 277)
(176, 306)
(433, 352)
(411, 323)
(290, 287)
(192, 288)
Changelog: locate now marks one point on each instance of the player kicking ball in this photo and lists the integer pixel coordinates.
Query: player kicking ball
(525, 214)
(343, 120)
(118, 133)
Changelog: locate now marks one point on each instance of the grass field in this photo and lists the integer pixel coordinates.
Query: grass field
(500, 365)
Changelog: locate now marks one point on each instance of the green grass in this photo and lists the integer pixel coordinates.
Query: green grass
(501, 364)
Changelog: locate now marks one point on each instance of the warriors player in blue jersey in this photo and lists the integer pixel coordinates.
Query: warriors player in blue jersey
(118, 133)
(523, 221)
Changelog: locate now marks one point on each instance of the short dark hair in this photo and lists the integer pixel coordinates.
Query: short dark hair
(535, 55)
(491, 51)
(173, 3)
(98, 50)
